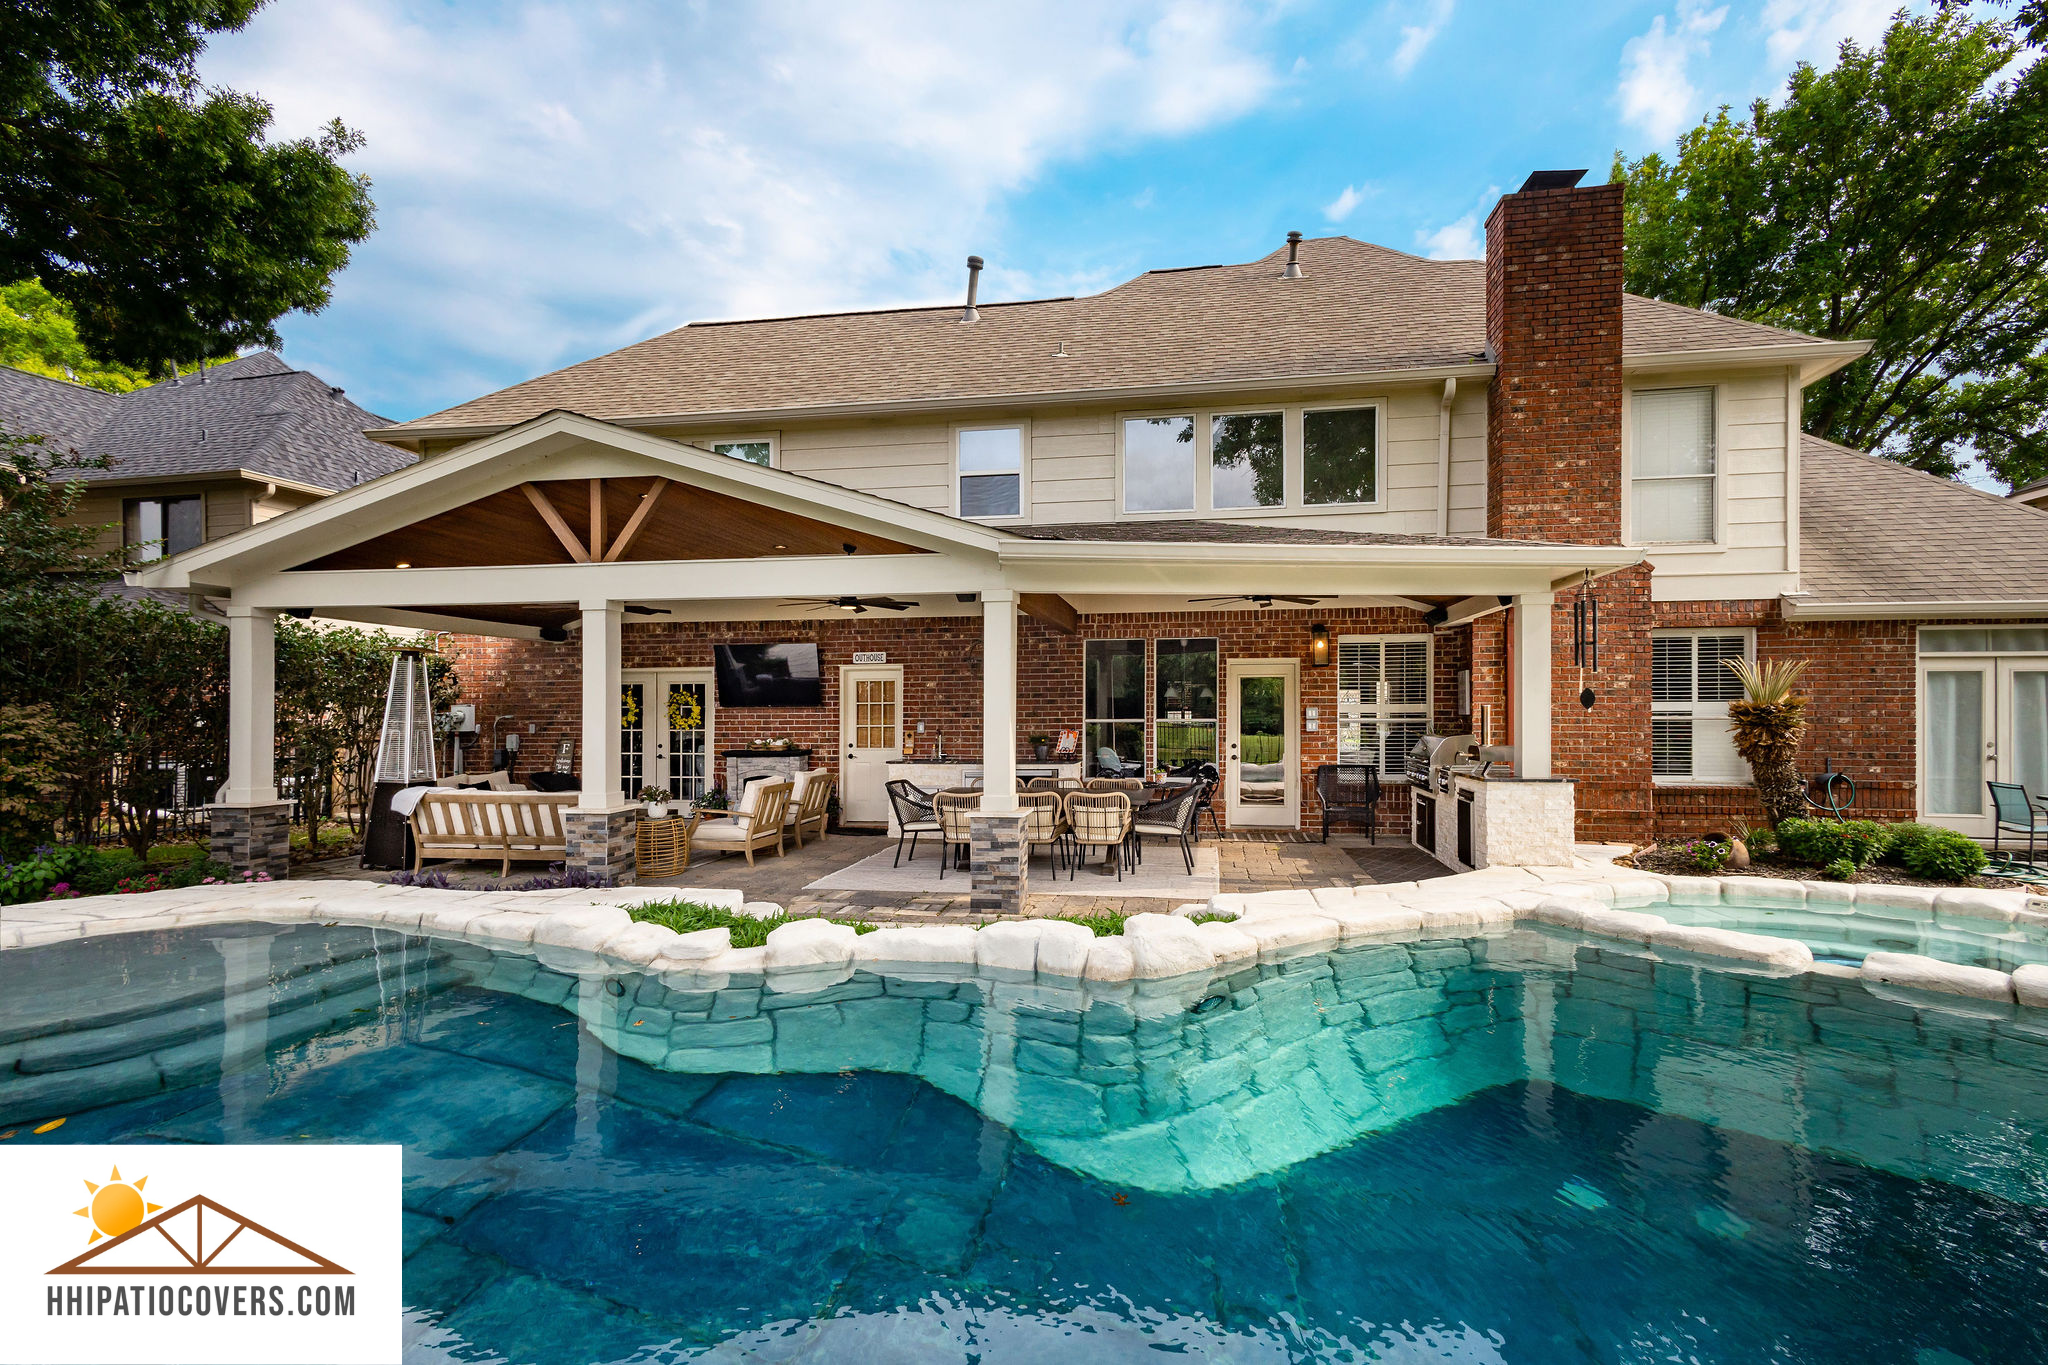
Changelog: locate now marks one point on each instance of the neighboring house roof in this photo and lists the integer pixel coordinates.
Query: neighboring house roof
(1876, 533)
(254, 414)
(1359, 309)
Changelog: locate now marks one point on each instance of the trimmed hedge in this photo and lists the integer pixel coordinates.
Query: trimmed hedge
(1939, 855)
(1822, 842)
(1847, 847)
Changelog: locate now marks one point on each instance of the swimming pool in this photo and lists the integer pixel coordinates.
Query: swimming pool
(1522, 1147)
(1849, 932)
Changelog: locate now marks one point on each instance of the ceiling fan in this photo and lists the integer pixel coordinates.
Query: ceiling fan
(856, 605)
(1261, 600)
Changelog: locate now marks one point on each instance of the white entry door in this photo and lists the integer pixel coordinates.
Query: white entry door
(1262, 769)
(666, 740)
(870, 737)
(1982, 720)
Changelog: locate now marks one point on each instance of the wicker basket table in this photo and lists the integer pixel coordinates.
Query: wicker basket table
(661, 848)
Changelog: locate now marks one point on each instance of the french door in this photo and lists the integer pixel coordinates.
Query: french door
(1982, 720)
(870, 738)
(1262, 771)
(665, 718)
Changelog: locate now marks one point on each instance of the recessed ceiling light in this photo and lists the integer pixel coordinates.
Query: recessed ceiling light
(782, 547)
(403, 564)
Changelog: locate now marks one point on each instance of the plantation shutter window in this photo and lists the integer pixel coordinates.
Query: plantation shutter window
(1383, 699)
(1673, 466)
(1691, 739)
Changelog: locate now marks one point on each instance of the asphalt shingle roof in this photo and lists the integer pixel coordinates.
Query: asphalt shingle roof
(1873, 530)
(1359, 308)
(255, 413)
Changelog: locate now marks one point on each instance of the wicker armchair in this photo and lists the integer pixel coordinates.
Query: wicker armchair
(952, 810)
(1129, 786)
(1046, 823)
(913, 807)
(1349, 789)
(1172, 817)
(811, 795)
(1098, 820)
(757, 824)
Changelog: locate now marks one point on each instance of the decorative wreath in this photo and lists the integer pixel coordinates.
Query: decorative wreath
(629, 708)
(685, 712)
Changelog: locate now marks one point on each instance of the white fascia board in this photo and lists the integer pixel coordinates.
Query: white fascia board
(1139, 395)
(427, 621)
(433, 486)
(1095, 568)
(1815, 359)
(1800, 609)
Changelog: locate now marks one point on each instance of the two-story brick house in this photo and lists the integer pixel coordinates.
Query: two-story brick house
(1272, 514)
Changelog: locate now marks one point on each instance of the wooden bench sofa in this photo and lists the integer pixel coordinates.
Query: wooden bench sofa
(511, 826)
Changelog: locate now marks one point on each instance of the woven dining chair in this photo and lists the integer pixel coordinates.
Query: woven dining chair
(1098, 820)
(1045, 825)
(951, 810)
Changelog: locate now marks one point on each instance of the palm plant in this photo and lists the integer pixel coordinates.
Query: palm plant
(1768, 722)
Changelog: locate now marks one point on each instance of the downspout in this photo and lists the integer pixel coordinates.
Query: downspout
(1443, 458)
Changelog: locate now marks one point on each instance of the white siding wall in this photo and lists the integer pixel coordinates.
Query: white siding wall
(1756, 421)
(1073, 465)
(910, 462)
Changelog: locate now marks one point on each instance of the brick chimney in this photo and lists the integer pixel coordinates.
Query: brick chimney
(1553, 330)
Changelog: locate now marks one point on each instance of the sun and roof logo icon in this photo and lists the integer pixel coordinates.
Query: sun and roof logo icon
(132, 1236)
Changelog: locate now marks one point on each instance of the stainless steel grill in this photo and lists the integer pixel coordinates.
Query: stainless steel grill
(1431, 757)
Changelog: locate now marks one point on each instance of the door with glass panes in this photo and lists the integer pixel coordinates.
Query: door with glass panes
(1983, 718)
(665, 719)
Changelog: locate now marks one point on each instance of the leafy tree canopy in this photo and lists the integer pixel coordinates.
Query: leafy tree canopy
(1901, 198)
(39, 334)
(154, 207)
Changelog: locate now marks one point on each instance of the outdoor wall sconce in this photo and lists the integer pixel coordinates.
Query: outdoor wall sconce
(1318, 646)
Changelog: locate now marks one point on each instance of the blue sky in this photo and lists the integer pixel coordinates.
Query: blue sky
(557, 180)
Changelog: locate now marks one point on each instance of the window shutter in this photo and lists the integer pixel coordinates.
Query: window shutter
(1671, 668)
(1716, 681)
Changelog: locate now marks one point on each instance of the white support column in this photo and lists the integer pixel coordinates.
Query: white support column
(252, 706)
(601, 645)
(999, 701)
(1532, 683)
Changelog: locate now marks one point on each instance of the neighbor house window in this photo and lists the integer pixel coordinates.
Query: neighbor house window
(1382, 699)
(1690, 688)
(1245, 461)
(1159, 464)
(155, 527)
(761, 453)
(1340, 456)
(1672, 453)
(1184, 715)
(1113, 708)
(991, 472)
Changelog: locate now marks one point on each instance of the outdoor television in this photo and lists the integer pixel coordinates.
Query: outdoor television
(768, 675)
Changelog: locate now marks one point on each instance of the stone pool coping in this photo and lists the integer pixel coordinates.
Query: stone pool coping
(574, 929)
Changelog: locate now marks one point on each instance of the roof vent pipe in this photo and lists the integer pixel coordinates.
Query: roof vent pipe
(968, 314)
(1293, 270)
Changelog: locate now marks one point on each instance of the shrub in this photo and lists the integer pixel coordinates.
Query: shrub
(434, 879)
(1705, 856)
(1840, 870)
(1939, 855)
(1821, 842)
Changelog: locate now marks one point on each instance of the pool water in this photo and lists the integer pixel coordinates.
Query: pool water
(565, 1202)
(1842, 936)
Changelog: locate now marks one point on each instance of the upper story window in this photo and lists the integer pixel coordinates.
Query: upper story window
(1690, 688)
(1673, 467)
(1247, 464)
(1159, 464)
(154, 527)
(760, 452)
(991, 471)
(1339, 456)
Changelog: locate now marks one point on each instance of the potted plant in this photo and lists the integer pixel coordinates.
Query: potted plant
(715, 799)
(1041, 747)
(657, 801)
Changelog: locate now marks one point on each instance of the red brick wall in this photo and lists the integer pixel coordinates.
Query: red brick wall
(1553, 327)
(1607, 748)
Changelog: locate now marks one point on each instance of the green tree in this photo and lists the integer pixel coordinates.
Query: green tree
(155, 208)
(1901, 198)
(39, 334)
(44, 555)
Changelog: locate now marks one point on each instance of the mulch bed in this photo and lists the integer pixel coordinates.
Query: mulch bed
(1672, 863)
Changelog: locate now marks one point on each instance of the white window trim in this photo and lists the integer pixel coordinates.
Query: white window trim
(773, 438)
(1712, 710)
(1628, 469)
(1378, 712)
(1022, 426)
(1292, 454)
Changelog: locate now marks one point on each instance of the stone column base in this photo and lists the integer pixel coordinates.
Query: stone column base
(1000, 856)
(254, 838)
(602, 842)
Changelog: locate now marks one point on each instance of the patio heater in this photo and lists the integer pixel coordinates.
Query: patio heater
(405, 758)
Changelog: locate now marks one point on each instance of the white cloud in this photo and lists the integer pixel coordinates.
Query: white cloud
(1338, 209)
(1656, 92)
(557, 179)
(1416, 37)
(1812, 30)
(1464, 238)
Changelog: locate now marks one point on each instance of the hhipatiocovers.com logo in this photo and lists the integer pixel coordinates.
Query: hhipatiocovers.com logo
(132, 1238)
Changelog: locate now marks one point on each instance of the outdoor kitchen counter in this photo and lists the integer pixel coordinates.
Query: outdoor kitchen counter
(1513, 822)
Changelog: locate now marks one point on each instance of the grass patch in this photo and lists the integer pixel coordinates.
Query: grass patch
(687, 917)
(1108, 924)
